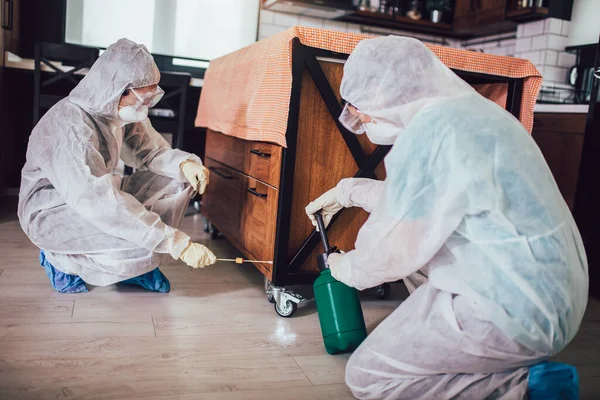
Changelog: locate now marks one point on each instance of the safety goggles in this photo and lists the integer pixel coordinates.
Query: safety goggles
(350, 121)
(148, 99)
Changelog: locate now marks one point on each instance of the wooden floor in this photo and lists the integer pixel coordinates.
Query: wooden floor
(214, 336)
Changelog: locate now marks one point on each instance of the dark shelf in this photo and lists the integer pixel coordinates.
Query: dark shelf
(424, 22)
(528, 14)
(376, 15)
(399, 22)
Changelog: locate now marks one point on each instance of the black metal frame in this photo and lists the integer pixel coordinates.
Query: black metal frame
(305, 57)
(81, 57)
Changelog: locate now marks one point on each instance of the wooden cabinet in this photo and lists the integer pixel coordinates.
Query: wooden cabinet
(3, 149)
(241, 199)
(263, 161)
(259, 191)
(560, 138)
(9, 42)
(223, 196)
(273, 225)
(11, 10)
(259, 217)
(468, 18)
(531, 10)
(475, 15)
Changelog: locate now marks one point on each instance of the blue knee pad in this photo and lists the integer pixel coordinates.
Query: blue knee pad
(61, 282)
(154, 281)
(553, 381)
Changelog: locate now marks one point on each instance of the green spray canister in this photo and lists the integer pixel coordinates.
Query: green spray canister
(340, 313)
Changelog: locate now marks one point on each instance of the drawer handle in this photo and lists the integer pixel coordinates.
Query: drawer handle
(260, 153)
(7, 15)
(222, 175)
(254, 192)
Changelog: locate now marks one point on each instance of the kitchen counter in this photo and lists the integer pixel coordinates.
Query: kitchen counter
(561, 108)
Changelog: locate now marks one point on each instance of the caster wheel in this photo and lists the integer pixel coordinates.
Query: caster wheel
(287, 310)
(383, 291)
(269, 291)
(214, 232)
(206, 225)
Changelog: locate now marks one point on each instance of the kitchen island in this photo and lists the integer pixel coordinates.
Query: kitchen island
(274, 142)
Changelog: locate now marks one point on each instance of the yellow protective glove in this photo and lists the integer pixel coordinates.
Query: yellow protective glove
(196, 174)
(327, 203)
(198, 256)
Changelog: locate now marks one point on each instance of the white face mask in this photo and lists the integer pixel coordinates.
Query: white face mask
(129, 115)
(381, 133)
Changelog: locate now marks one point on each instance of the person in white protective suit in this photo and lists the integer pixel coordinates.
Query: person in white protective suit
(93, 225)
(470, 217)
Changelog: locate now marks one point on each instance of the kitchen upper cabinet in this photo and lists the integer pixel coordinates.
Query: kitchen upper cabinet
(531, 10)
(11, 24)
(468, 18)
(473, 15)
(26, 22)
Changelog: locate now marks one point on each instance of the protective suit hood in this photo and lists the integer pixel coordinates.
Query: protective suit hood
(71, 183)
(125, 64)
(393, 78)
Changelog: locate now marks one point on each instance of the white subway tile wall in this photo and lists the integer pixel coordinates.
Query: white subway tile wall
(353, 28)
(523, 45)
(267, 30)
(549, 38)
(555, 74)
(267, 17)
(556, 42)
(311, 22)
(534, 56)
(533, 28)
(542, 69)
(274, 22)
(565, 28)
(553, 25)
(541, 42)
(335, 25)
(551, 57)
(566, 60)
(286, 20)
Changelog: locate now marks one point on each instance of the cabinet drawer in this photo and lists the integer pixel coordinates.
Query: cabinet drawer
(222, 201)
(259, 217)
(263, 162)
(226, 149)
(559, 122)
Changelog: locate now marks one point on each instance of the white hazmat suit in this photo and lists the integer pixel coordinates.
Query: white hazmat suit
(471, 218)
(75, 205)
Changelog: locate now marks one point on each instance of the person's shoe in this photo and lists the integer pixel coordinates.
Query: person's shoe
(553, 381)
(154, 281)
(61, 282)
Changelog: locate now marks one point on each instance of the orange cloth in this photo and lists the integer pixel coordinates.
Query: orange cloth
(246, 94)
